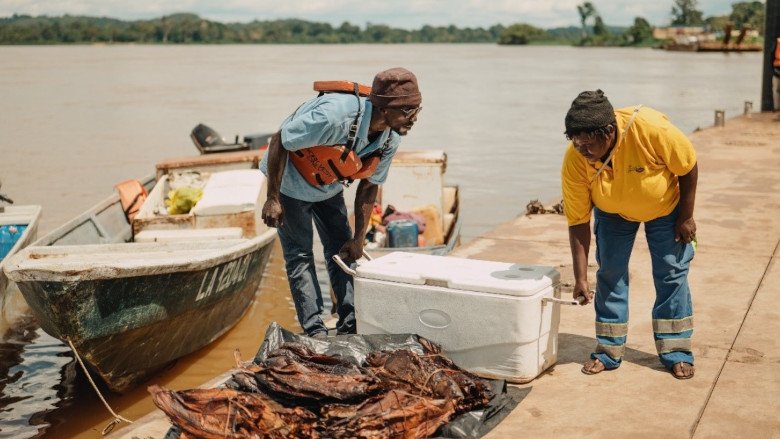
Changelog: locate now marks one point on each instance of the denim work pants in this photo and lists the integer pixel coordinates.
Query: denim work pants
(296, 234)
(672, 311)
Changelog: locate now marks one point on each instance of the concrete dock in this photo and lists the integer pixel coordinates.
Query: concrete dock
(735, 283)
(734, 280)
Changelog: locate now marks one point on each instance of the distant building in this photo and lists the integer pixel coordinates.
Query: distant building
(697, 39)
(671, 32)
(689, 33)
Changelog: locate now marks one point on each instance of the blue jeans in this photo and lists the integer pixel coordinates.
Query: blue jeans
(296, 234)
(672, 311)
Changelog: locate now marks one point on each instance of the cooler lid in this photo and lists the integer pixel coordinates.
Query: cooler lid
(460, 274)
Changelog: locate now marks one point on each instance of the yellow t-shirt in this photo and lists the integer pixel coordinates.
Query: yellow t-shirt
(641, 183)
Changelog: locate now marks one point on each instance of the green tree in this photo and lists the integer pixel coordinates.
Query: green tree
(640, 32)
(684, 13)
(750, 14)
(599, 28)
(520, 33)
(348, 33)
(585, 10)
(718, 23)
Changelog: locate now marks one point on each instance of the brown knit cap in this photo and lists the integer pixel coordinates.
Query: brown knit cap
(395, 88)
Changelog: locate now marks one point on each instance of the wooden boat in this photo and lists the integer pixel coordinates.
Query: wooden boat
(707, 43)
(712, 46)
(416, 181)
(416, 184)
(12, 305)
(133, 296)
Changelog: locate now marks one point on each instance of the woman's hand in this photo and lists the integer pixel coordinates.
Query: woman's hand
(685, 230)
(582, 292)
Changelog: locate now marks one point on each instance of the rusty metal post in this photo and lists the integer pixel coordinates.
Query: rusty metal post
(771, 34)
(748, 108)
(720, 118)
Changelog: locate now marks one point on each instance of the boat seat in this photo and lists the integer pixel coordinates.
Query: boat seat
(229, 192)
(186, 235)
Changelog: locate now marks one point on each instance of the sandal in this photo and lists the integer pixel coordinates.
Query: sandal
(587, 368)
(682, 369)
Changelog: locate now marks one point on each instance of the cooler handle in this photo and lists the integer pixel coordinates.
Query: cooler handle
(579, 300)
(344, 266)
(340, 262)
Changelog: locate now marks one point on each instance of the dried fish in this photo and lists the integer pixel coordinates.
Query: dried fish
(396, 415)
(227, 413)
(294, 373)
(432, 375)
(296, 392)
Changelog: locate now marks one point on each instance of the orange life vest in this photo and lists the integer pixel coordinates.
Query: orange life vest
(326, 164)
(777, 53)
(132, 195)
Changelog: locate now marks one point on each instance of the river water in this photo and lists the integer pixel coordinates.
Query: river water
(78, 119)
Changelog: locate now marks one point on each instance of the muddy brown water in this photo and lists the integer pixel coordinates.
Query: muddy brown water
(78, 119)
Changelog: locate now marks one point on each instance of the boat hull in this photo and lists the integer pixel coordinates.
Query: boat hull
(14, 312)
(128, 328)
(28, 216)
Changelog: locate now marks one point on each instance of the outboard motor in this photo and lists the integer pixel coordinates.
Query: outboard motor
(257, 141)
(209, 141)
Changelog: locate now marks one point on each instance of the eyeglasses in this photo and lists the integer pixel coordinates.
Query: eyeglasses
(410, 112)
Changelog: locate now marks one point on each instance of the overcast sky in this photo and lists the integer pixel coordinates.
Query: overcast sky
(409, 14)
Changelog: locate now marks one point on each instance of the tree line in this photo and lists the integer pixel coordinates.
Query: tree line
(190, 28)
(594, 32)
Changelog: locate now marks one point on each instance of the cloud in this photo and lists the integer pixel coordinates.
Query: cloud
(409, 14)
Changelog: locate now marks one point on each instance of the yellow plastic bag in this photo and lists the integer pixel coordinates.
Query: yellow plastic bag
(181, 200)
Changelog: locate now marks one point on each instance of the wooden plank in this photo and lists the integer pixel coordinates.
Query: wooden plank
(220, 161)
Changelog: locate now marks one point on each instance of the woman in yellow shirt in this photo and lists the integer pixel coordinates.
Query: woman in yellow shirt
(628, 167)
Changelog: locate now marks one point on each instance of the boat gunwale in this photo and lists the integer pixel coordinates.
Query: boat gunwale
(101, 205)
(95, 271)
(91, 271)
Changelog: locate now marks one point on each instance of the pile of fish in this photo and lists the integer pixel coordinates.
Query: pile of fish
(298, 393)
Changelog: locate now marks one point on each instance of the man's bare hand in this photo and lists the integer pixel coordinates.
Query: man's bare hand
(273, 212)
(352, 250)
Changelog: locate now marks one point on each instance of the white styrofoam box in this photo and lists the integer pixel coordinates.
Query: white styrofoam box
(489, 317)
(187, 235)
(231, 192)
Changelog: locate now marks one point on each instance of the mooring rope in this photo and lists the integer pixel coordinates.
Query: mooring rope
(117, 418)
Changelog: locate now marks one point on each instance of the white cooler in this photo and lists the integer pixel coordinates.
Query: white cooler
(495, 319)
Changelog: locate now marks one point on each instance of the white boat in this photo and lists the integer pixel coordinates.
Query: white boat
(416, 184)
(22, 220)
(133, 295)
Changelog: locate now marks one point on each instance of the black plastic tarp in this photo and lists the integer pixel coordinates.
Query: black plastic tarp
(470, 425)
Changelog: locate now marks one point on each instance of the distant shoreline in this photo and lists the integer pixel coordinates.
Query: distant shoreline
(188, 28)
